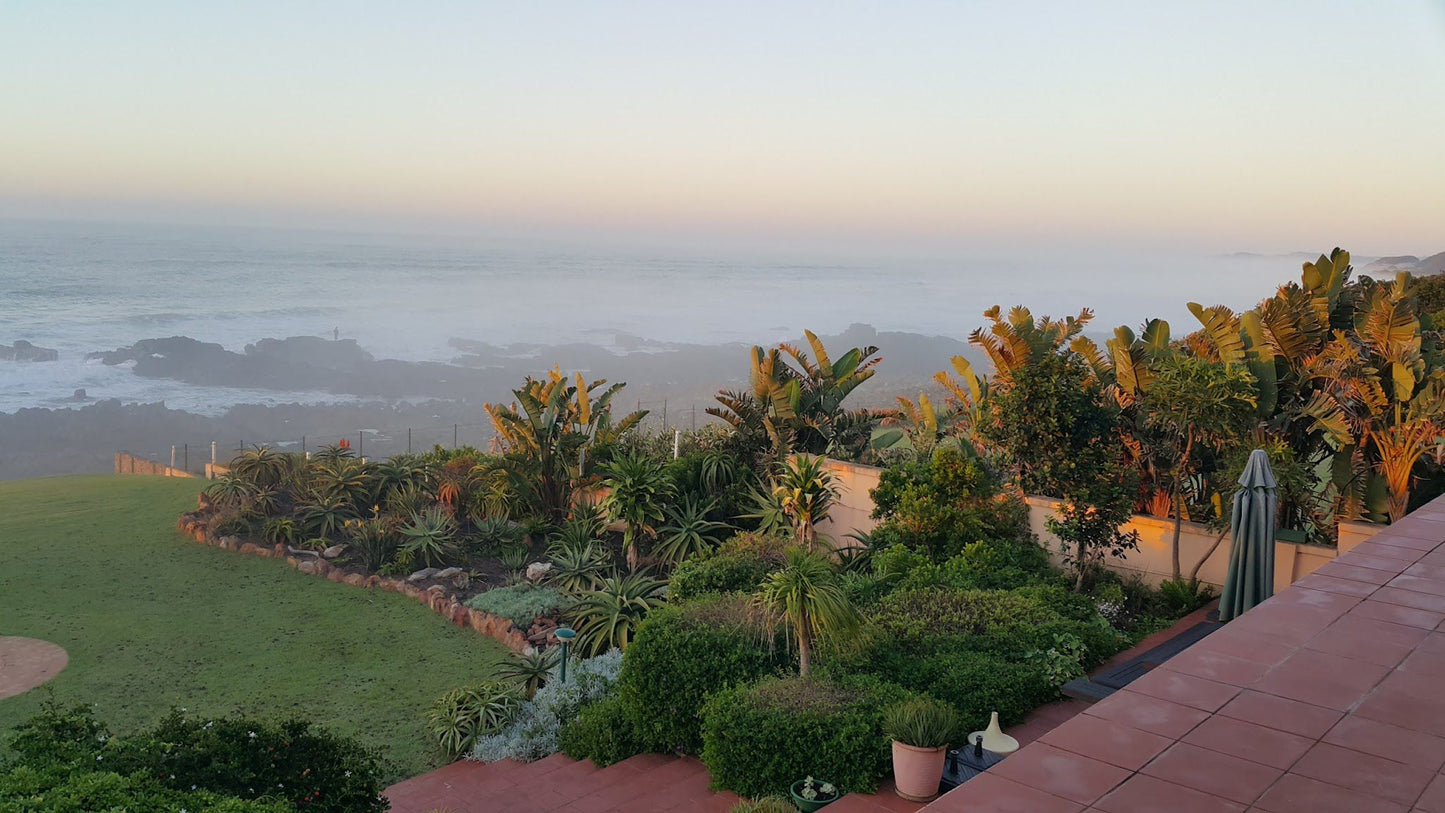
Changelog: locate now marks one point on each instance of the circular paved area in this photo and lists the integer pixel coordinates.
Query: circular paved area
(28, 662)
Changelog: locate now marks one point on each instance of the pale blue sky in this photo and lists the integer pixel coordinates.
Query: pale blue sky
(1266, 126)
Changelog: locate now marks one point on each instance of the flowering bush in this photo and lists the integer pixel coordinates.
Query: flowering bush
(535, 729)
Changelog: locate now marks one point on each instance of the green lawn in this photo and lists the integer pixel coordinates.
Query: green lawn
(152, 620)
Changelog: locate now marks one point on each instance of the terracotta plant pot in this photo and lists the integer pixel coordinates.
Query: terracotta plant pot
(916, 771)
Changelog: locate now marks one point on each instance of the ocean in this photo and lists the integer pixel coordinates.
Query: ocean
(83, 287)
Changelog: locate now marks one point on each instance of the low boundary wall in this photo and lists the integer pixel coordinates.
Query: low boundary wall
(1151, 562)
(130, 464)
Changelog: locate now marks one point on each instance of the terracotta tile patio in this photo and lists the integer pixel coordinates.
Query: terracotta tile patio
(1325, 698)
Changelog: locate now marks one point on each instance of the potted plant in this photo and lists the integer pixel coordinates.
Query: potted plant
(920, 730)
(811, 794)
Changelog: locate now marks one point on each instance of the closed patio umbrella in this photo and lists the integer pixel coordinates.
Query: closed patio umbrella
(1250, 579)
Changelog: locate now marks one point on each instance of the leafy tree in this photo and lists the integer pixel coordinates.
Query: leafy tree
(942, 504)
(808, 600)
(637, 489)
(1050, 420)
(1193, 404)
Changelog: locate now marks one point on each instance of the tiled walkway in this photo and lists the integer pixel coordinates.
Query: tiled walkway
(1328, 697)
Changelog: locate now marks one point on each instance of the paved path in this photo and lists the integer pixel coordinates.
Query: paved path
(1324, 699)
(26, 663)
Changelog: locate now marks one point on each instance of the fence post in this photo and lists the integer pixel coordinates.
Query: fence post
(408, 440)
(664, 414)
(361, 444)
(173, 455)
(304, 453)
(454, 436)
(213, 453)
(188, 457)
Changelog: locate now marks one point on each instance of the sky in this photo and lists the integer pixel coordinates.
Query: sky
(1269, 125)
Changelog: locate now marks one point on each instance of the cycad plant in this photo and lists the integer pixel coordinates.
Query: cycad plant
(807, 599)
(429, 539)
(689, 532)
(638, 488)
(608, 617)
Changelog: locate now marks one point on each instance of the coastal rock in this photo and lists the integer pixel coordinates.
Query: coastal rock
(333, 552)
(25, 351)
(422, 575)
(448, 573)
(538, 571)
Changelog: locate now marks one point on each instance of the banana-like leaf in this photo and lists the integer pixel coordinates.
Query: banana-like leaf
(1329, 417)
(821, 354)
(1222, 327)
(1156, 335)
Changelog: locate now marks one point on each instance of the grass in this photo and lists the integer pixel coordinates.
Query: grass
(152, 620)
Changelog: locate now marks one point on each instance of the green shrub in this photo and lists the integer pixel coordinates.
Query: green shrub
(939, 505)
(681, 655)
(922, 723)
(32, 791)
(761, 738)
(919, 615)
(719, 573)
(536, 729)
(601, 732)
(461, 716)
(521, 602)
(244, 758)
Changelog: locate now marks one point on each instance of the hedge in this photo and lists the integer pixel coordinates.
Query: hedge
(759, 739)
(680, 656)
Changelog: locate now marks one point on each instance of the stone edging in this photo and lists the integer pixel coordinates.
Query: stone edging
(435, 597)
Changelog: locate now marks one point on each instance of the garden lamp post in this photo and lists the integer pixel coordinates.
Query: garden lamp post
(565, 635)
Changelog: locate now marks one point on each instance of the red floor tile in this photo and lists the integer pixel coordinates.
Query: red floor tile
(1345, 587)
(1300, 794)
(1212, 772)
(1433, 799)
(1219, 667)
(990, 793)
(1351, 572)
(1107, 741)
(1282, 713)
(1379, 642)
(1267, 746)
(1389, 741)
(1373, 776)
(1145, 794)
(1060, 773)
(1322, 679)
(1150, 714)
(1205, 695)
(1395, 614)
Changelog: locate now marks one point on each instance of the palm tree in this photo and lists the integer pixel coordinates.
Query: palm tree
(638, 487)
(805, 491)
(808, 600)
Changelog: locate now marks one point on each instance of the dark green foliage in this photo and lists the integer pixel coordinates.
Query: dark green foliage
(981, 650)
(720, 573)
(759, 739)
(680, 656)
(61, 752)
(429, 539)
(940, 505)
(601, 732)
(463, 714)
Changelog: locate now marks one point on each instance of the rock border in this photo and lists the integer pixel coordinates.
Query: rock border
(445, 604)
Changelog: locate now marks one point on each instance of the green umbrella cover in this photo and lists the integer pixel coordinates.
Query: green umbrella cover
(1250, 579)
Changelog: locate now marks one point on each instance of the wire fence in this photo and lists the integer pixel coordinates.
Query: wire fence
(192, 454)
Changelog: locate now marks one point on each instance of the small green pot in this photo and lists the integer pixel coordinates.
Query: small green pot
(809, 805)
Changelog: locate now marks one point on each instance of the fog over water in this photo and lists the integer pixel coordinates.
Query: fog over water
(84, 287)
